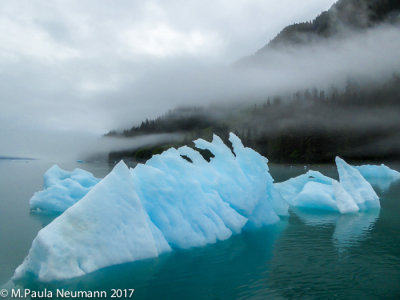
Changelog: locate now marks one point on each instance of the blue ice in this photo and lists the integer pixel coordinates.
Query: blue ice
(170, 203)
(380, 176)
(352, 193)
(164, 204)
(62, 189)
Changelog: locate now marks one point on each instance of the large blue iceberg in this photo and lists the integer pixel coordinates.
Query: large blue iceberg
(167, 203)
(176, 200)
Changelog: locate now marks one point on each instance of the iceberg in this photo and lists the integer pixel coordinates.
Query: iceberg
(62, 189)
(375, 171)
(292, 187)
(356, 186)
(168, 203)
(108, 226)
(350, 204)
(379, 176)
(179, 200)
(313, 190)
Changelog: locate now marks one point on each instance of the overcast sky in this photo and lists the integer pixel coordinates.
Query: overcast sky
(84, 67)
(73, 65)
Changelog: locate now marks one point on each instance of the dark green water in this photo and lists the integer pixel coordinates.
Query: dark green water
(309, 255)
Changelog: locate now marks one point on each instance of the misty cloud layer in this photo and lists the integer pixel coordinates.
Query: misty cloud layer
(74, 145)
(89, 66)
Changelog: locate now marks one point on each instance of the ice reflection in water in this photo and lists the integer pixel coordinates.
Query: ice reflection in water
(349, 228)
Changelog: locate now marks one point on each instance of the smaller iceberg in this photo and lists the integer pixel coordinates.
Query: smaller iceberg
(313, 190)
(350, 204)
(62, 189)
(375, 171)
(381, 176)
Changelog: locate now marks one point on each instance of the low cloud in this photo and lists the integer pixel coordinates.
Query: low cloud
(65, 70)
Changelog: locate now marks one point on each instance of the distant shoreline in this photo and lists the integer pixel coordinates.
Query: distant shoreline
(15, 158)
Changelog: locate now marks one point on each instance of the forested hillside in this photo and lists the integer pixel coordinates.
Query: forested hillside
(359, 122)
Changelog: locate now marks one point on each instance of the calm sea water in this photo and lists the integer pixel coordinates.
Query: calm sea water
(306, 256)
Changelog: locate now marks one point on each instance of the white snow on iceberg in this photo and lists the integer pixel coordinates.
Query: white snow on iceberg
(62, 189)
(167, 203)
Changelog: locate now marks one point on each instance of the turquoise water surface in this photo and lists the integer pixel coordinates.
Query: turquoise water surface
(309, 255)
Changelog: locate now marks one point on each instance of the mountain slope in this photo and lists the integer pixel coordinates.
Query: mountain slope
(343, 17)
